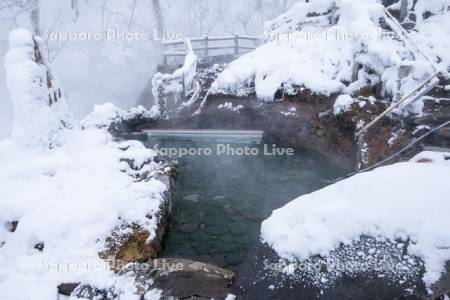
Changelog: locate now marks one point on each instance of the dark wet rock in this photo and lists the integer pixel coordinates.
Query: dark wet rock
(192, 280)
(177, 278)
(67, 289)
(11, 226)
(442, 287)
(39, 246)
(436, 112)
(91, 293)
(367, 269)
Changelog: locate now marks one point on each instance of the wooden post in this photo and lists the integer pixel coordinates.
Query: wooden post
(403, 72)
(236, 45)
(183, 83)
(403, 10)
(333, 19)
(161, 100)
(355, 71)
(206, 46)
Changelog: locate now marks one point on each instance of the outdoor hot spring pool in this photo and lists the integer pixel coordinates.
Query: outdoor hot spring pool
(221, 199)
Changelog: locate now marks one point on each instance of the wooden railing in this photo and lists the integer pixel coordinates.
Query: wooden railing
(212, 46)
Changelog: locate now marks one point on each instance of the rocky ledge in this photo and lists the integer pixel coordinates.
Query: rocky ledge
(167, 278)
(388, 274)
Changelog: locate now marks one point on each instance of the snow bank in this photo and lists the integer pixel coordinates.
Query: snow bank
(405, 200)
(305, 48)
(40, 109)
(69, 199)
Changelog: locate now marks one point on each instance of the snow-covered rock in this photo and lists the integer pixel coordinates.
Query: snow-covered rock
(105, 115)
(343, 103)
(405, 202)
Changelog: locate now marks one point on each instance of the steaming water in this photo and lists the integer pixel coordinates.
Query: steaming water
(222, 199)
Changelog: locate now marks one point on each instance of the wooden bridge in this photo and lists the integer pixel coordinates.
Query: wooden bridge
(210, 48)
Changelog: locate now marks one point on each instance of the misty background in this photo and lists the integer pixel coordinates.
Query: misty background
(96, 70)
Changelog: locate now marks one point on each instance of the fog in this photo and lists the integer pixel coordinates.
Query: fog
(97, 49)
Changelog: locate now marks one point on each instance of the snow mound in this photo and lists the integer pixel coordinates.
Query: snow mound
(406, 201)
(343, 103)
(40, 109)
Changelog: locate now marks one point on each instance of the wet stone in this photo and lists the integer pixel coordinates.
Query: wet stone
(192, 198)
(188, 228)
(218, 220)
(216, 230)
(228, 209)
(227, 238)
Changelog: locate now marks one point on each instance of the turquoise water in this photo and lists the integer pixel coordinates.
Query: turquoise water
(221, 200)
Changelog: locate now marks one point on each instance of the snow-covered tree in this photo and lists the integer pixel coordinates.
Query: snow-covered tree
(41, 113)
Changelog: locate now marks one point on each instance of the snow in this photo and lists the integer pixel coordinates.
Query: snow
(181, 80)
(404, 200)
(307, 51)
(36, 122)
(229, 106)
(67, 188)
(74, 196)
(230, 297)
(343, 103)
(103, 115)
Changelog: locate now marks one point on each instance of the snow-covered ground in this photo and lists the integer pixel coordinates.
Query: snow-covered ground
(403, 201)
